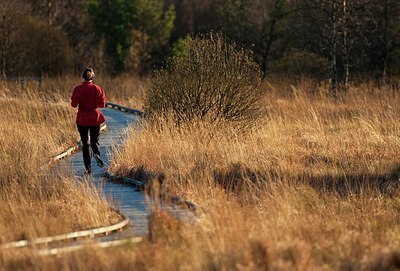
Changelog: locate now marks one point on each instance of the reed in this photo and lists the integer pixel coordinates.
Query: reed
(34, 200)
(312, 186)
(123, 89)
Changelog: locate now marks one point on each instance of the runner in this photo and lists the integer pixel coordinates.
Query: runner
(88, 97)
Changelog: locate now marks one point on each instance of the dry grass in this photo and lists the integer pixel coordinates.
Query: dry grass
(34, 201)
(312, 187)
(299, 139)
(123, 89)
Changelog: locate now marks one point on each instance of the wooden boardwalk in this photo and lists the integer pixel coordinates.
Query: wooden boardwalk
(127, 199)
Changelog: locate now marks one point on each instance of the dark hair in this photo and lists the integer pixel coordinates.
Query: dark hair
(88, 74)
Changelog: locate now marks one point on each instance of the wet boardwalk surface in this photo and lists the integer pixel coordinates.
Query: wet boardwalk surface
(126, 198)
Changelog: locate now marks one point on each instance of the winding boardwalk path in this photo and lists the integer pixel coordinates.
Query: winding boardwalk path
(133, 204)
(127, 199)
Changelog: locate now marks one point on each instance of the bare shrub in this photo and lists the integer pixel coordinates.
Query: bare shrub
(211, 79)
(45, 52)
(302, 63)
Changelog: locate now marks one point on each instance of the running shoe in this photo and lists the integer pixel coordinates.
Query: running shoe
(99, 161)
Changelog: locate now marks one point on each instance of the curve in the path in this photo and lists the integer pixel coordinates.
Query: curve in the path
(131, 203)
(128, 200)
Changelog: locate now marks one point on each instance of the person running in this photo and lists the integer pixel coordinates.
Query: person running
(88, 97)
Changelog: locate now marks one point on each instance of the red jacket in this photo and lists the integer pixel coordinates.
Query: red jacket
(89, 97)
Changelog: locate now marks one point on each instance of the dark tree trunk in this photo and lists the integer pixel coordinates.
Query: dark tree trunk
(345, 48)
(270, 37)
(333, 49)
(385, 42)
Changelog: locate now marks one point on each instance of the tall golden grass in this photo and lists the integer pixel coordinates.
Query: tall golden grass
(35, 201)
(123, 89)
(312, 186)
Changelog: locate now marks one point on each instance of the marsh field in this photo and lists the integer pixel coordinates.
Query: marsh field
(312, 185)
(279, 119)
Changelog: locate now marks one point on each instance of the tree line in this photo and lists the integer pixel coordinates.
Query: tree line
(337, 40)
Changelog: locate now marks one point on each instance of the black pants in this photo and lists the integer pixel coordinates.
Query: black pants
(94, 143)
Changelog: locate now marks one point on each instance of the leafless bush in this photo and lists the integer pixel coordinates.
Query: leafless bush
(211, 79)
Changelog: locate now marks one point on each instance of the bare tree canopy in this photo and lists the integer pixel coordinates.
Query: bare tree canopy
(335, 40)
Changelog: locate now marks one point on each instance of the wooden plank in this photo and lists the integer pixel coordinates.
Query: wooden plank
(125, 109)
(68, 236)
(108, 244)
(132, 203)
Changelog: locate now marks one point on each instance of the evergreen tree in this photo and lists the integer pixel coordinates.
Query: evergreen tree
(135, 31)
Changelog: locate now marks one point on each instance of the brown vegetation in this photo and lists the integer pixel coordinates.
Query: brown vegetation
(35, 125)
(122, 89)
(211, 79)
(264, 195)
(314, 186)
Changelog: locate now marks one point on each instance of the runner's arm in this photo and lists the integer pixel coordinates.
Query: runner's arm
(101, 100)
(75, 98)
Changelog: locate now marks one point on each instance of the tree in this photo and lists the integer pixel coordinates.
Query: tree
(70, 18)
(332, 29)
(45, 52)
(325, 17)
(10, 11)
(345, 43)
(196, 16)
(128, 25)
(256, 24)
(149, 41)
(275, 12)
(384, 37)
(238, 23)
